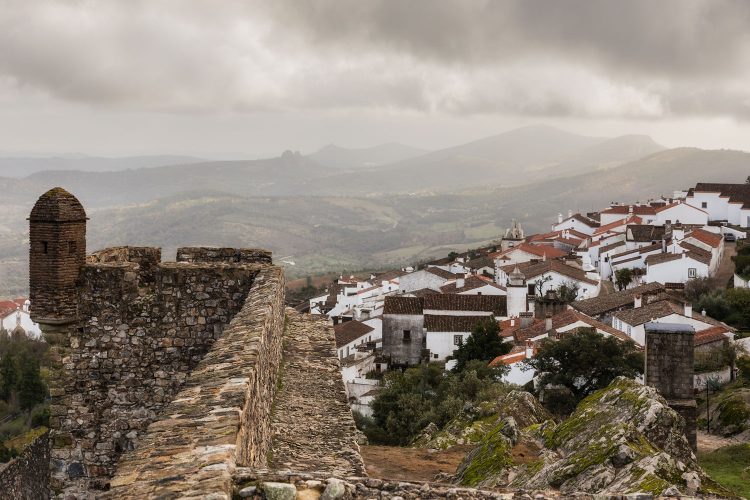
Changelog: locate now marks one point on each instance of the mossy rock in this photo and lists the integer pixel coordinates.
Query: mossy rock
(524, 408)
(732, 414)
(485, 463)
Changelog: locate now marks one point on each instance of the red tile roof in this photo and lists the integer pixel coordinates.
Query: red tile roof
(349, 331)
(626, 209)
(10, 306)
(447, 323)
(470, 283)
(711, 335)
(737, 193)
(709, 238)
(622, 222)
(539, 250)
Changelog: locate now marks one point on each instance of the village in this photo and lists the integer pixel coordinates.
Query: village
(612, 271)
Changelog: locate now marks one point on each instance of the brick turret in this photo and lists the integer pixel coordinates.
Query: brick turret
(57, 252)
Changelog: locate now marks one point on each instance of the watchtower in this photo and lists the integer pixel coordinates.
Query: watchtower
(57, 252)
(669, 368)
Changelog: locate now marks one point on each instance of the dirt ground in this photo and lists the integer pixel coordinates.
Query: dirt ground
(710, 442)
(416, 464)
(420, 464)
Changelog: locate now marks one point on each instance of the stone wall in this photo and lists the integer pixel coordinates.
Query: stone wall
(398, 350)
(221, 417)
(211, 254)
(144, 327)
(26, 476)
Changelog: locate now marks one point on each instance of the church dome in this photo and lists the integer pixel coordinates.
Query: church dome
(57, 205)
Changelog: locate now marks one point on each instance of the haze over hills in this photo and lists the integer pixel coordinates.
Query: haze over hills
(338, 157)
(14, 166)
(331, 219)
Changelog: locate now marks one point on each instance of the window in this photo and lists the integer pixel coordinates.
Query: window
(436, 356)
(458, 340)
(71, 247)
(45, 247)
(704, 204)
(479, 293)
(531, 287)
(407, 335)
(629, 332)
(692, 273)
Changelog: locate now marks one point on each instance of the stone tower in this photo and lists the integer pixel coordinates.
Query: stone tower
(57, 252)
(517, 292)
(669, 368)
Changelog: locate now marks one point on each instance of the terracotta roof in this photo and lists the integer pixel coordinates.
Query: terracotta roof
(644, 232)
(711, 335)
(650, 248)
(561, 320)
(11, 306)
(437, 271)
(660, 258)
(349, 331)
(696, 250)
(495, 304)
(512, 358)
(672, 205)
(737, 193)
(422, 292)
(403, 305)
(57, 205)
(605, 303)
(446, 323)
(479, 262)
(470, 283)
(539, 268)
(585, 220)
(707, 237)
(539, 250)
(648, 312)
(618, 223)
(623, 254)
(607, 248)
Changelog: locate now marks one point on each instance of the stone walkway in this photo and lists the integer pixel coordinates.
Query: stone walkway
(312, 425)
(726, 266)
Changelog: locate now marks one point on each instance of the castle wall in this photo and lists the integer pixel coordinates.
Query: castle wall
(144, 327)
(211, 254)
(25, 477)
(221, 416)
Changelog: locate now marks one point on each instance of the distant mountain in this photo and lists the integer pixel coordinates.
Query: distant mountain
(516, 157)
(337, 157)
(23, 166)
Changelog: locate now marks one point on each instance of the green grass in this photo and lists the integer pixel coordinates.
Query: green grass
(728, 466)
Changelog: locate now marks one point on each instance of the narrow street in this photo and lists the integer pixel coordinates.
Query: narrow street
(726, 266)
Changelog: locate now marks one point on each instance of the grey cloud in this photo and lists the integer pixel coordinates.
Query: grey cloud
(642, 59)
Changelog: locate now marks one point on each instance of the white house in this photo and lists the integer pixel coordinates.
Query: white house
(430, 277)
(473, 285)
(617, 213)
(682, 213)
(722, 202)
(576, 222)
(446, 333)
(526, 252)
(552, 274)
(14, 316)
(676, 267)
(632, 321)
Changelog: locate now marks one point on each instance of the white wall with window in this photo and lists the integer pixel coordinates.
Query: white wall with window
(442, 344)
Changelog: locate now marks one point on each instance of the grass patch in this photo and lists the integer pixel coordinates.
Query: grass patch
(728, 466)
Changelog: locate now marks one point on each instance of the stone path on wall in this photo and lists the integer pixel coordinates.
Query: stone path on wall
(312, 425)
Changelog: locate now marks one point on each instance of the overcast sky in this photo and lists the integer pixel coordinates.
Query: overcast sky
(255, 78)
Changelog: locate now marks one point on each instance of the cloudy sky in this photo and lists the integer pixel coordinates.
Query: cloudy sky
(254, 78)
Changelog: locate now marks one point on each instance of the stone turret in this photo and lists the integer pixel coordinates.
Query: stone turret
(57, 252)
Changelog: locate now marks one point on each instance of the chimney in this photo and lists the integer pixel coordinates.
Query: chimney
(559, 218)
(529, 349)
(460, 283)
(637, 300)
(526, 319)
(548, 322)
(630, 209)
(513, 321)
(570, 214)
(703, 312)
(688, 309)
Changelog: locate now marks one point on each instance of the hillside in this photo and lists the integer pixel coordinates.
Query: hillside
(333, 233)
(23, 166)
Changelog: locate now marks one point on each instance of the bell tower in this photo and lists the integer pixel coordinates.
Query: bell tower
(57, 252)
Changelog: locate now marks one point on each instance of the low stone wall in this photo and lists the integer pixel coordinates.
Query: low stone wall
(259, 484)
(221, 417)
(26, 477)
(211, 254)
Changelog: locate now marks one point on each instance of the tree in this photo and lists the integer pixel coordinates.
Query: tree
(539, 284)
(567, 292)
(623, 277)
(31, 390)
(484, 344)
(8, 376)
(585, 362)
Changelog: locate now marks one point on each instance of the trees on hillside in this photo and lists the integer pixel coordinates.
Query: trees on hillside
(623, 277)
(585, 362)
(484, 343)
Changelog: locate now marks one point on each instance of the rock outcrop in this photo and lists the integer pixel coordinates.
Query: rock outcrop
(476, 421)
(622, 439)
(730, 413)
